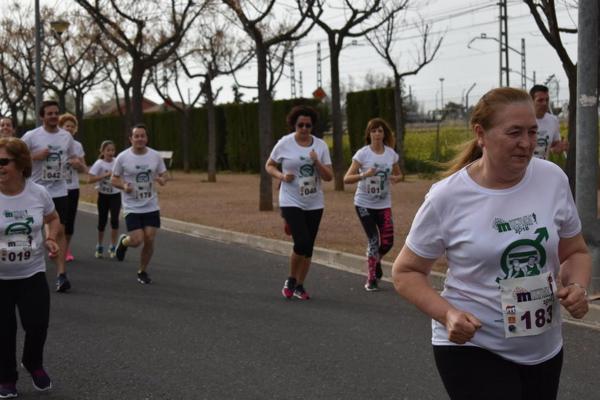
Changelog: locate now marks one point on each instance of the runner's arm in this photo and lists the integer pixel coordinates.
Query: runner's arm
(52, 221)
(397, 175)
(119, 183)
(409, 274)
(575, 274)
(272, 169)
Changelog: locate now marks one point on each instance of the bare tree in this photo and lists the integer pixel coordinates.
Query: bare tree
(354, 26)
(383, 40)
(268, 36)
(544, 14)
(147, 31)
(216, 51)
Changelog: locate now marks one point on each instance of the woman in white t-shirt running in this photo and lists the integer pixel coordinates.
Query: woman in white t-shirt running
(304, 161)
(509, 228)
(374, 167)
(109, 197)
(25, 207)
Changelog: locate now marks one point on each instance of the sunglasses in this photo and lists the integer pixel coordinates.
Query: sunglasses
(5, 161)
(301, 125)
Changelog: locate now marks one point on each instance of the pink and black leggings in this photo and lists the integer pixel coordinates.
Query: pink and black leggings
(379, 227)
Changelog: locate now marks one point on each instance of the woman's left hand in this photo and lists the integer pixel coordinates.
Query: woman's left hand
(396, 178)
(574, 299)
(313, 155)
(51, 246)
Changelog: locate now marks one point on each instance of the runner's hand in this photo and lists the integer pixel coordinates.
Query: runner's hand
(51, 246)
(161, 180)
(128, 188)
(287, 178)
(461, 326)
(313, 155)
(41, 155)
(573, 298)
(370, 172)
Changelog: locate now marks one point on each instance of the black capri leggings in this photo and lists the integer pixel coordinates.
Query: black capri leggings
(470, 372)
(72, 202)
(304, 225)
(106, 203)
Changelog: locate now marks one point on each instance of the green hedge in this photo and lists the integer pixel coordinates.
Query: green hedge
(236, 125)
(364, 105)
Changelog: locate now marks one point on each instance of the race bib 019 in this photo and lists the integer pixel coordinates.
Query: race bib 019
(16, 248)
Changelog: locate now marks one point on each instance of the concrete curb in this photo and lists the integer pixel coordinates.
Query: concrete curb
(330, 258)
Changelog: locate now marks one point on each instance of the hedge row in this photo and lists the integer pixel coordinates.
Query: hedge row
(236, 125)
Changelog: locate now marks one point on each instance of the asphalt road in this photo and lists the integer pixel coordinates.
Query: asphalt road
(213, 325)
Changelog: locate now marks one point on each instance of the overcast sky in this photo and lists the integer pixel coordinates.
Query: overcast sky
(459, 22)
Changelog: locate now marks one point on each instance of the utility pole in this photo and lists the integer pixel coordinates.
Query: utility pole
(523, 66)
(586, 163)
(292, 75)
(442, 92)
(503, 43)
(319, 75)
(38, 62)
(300, 84)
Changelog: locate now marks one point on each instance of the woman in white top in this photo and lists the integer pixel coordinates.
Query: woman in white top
(25, 207)
(304, 161)
(69, 123)
(374, 167)
(508, 226)
(109, 197)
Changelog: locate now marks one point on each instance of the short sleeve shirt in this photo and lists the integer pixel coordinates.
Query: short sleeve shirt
(71, 173)
(50, 172)
(486, 234)
(21, 222)
(305, 190)
(548, 133)
(140, 171)
(101, 167)
(374, 192)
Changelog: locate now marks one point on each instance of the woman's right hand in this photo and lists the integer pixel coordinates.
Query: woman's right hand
(287, 177)
(370, 172)
(461, 326)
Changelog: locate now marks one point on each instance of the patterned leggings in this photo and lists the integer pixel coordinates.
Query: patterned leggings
(379, 227)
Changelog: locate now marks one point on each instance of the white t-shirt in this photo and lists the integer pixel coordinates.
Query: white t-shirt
(71, 174)
(139, 171)
(484, 233)
(305, 190)
(50, 172)
(548, 133)
(374, 191)
(100, 167)
(21, 222)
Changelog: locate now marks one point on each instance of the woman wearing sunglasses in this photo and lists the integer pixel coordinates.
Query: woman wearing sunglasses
(305, 161)
(25, 207)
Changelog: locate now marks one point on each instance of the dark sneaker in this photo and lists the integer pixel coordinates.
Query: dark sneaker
(288, 288)
(378, 271)
(143, 278)
(41, 380)
(300, 293)
(62, 283)
(8, 391)
(371, 286)
(99, 251)
(121, 248)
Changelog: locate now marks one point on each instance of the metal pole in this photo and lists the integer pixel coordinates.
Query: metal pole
(586, 163)
(442, 92)
(523, 66)
(38, 62)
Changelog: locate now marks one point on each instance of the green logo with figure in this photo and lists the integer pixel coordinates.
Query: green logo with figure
(19, 228)
(524, 257)
(307, 170)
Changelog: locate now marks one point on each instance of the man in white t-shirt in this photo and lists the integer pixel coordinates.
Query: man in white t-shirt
(51, 148)
(135, 171)
(548, 125)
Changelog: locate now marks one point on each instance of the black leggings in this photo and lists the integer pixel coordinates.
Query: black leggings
(470, 372)
(106, 203)
(304, 225)
(72, 202)
(32, 297)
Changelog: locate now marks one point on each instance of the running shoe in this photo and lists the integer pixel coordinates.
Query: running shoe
(378, 271)
(99, 251)
(300, 293)
(40, 379)
(144, 278)
(371, 286)
(69, 257)
(62, 283)
(288, 288)
(112, 251)
(121, 248)
(8, 391)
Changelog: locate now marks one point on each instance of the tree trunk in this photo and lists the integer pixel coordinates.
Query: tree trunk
(265, 130)
(572, 155)
(137, 96)
(79, 105)
(212, 131)
(400, 122)
(62, 101)
(185, 138)
(336, 117)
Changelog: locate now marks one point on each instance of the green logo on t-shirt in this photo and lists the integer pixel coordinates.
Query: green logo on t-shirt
(524, 257)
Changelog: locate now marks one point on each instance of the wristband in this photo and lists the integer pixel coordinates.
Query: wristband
(585, 293)
(52, 240)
